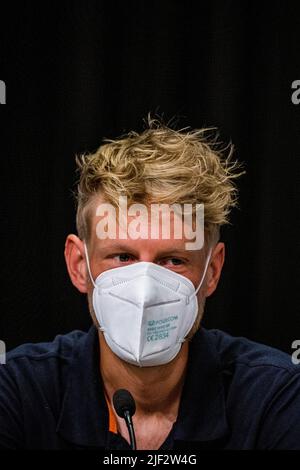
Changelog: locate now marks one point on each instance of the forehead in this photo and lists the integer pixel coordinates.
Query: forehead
(166, 223)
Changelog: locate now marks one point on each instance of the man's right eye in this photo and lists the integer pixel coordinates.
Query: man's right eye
(123, 257)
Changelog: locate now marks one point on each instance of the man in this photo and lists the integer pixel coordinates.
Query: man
(146, 288)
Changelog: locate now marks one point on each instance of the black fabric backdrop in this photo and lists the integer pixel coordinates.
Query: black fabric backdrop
(78, 71)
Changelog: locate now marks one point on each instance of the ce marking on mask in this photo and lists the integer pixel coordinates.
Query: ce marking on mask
(160, 329)
(151, 459)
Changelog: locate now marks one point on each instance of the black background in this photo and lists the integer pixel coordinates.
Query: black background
(76, 72)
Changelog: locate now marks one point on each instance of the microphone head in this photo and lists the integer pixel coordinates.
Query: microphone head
(123, 401)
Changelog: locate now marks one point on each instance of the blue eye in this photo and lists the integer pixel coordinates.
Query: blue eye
(176, 261)
(123, 257)
(172, 262)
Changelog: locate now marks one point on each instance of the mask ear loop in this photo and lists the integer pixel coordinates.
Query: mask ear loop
(204, 272)
(88, 264)
(200, 284)
(90, 274)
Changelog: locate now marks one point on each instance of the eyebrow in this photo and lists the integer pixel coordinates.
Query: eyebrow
(123, 247)
(115, 247)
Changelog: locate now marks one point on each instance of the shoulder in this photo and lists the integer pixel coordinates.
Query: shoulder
(261, 390)
(59, 350)
(33, 381)
(46, 363)
(261, 387)
(240, 352)
(61, 346)
(253, 375)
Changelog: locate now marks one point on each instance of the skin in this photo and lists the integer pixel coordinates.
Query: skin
(157, 390)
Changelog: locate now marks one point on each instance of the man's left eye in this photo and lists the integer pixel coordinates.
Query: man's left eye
(123, 257)
(173, 261)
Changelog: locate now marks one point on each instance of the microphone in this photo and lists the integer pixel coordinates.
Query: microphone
(125, 407)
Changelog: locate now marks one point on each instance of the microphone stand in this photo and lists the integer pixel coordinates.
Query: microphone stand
(130, 428)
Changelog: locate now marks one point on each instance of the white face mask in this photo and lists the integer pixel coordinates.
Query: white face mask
(145, 311)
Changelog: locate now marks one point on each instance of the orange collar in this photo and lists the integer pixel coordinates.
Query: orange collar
(113, 427)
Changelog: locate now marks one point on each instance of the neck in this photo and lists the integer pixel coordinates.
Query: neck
(156, 390)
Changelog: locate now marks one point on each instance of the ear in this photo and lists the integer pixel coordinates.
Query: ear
(76, 263)
(215, 268)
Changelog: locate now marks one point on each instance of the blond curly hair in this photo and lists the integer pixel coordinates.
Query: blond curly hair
(160, 165)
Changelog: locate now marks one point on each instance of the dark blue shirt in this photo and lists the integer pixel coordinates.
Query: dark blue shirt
(237, 395)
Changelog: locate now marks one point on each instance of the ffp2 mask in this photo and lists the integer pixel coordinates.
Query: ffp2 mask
(145, 311)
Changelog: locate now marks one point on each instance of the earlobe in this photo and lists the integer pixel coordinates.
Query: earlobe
(75, 261)
(215, 268)
(210, 284)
